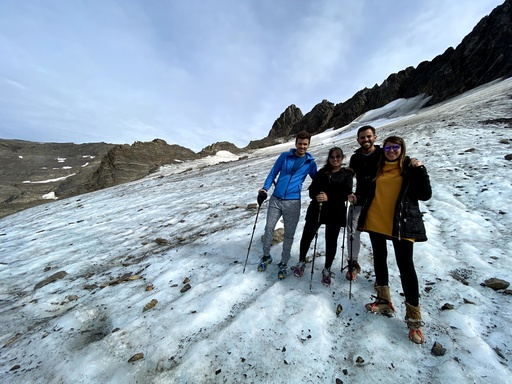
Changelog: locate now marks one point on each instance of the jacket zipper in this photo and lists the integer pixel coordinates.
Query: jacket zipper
(290, 179)
(400, 212)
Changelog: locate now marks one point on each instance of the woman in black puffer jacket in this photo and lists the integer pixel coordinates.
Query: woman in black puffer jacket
(330, 188)
(392, 212)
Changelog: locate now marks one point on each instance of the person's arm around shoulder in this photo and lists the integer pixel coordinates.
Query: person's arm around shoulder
(352, 198)
(349, 181)
(312, 168)
(420, 179)
(313, 188)
(352, 162)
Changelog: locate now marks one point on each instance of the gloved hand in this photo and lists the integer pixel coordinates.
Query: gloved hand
(262, 196)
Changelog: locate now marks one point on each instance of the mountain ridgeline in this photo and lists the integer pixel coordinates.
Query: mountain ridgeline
(30, 170)
(482, 56)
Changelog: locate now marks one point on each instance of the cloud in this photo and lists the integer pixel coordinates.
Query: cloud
(321, 43)
(418, 33)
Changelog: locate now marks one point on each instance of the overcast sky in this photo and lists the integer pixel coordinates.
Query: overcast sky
(196, 72)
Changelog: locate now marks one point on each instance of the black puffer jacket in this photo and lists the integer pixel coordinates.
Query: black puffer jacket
(408, 219)
(337, 186)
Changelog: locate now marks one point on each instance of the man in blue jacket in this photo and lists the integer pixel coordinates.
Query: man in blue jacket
(292, 167)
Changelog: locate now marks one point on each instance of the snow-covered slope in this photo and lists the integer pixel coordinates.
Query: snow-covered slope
(119, 249)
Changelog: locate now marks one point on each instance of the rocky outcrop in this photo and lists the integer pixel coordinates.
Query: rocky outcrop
(282, 128)
(212, 149)
(317, 120)
(263, 143)
(125, 163)
(368, 99)
(30, 172)
(36, 173)
(284, 124)
(482, 56)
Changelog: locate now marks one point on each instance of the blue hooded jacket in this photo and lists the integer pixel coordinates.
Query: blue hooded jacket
(289, 183)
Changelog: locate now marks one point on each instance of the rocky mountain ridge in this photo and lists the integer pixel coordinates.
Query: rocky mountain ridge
(35, 173)
(483, 55)
(29, 171)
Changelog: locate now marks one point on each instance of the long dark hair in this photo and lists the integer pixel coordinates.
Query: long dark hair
(393, 140)
(327, 168)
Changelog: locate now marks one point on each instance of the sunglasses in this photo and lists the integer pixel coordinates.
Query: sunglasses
(394, 147)
(335, 157)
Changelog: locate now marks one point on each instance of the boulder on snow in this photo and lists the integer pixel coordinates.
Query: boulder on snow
(437, 349)
(278, 236)
(185, 288)
(136, 357)
(496, 283)
(56, 276)
(150, 305)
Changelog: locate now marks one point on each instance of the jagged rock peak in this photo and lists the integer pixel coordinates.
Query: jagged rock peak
(317, 120)
(283, 125)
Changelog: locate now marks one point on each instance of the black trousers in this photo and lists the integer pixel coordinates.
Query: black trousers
(332, 232)
(404, 261)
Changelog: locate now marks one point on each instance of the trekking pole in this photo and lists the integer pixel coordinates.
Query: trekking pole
(343, 243)
(350, 264)
(261, 199)
(250, 242)
(314, 248)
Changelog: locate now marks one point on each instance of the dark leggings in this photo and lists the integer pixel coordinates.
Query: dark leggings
(331, 241)
(404, 261)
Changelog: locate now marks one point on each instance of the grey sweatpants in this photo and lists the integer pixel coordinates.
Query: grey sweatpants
(290, 210)
(354, 245)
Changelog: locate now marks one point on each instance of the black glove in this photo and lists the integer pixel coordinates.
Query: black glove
(262, 196)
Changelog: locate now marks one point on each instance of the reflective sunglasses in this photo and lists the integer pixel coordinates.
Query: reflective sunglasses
(394, 147)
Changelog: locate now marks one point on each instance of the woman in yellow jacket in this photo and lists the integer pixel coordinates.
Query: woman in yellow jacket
(391, 212)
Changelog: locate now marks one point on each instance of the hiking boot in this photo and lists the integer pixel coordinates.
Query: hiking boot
(265, 260)
(283, 271)
(382, 304)
(414, 323)
(326, 277)
(353, 269)
(298, 270)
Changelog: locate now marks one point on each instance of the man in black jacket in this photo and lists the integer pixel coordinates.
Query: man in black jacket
(364, 163)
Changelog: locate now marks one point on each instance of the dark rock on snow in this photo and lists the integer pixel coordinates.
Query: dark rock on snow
(496, 284)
